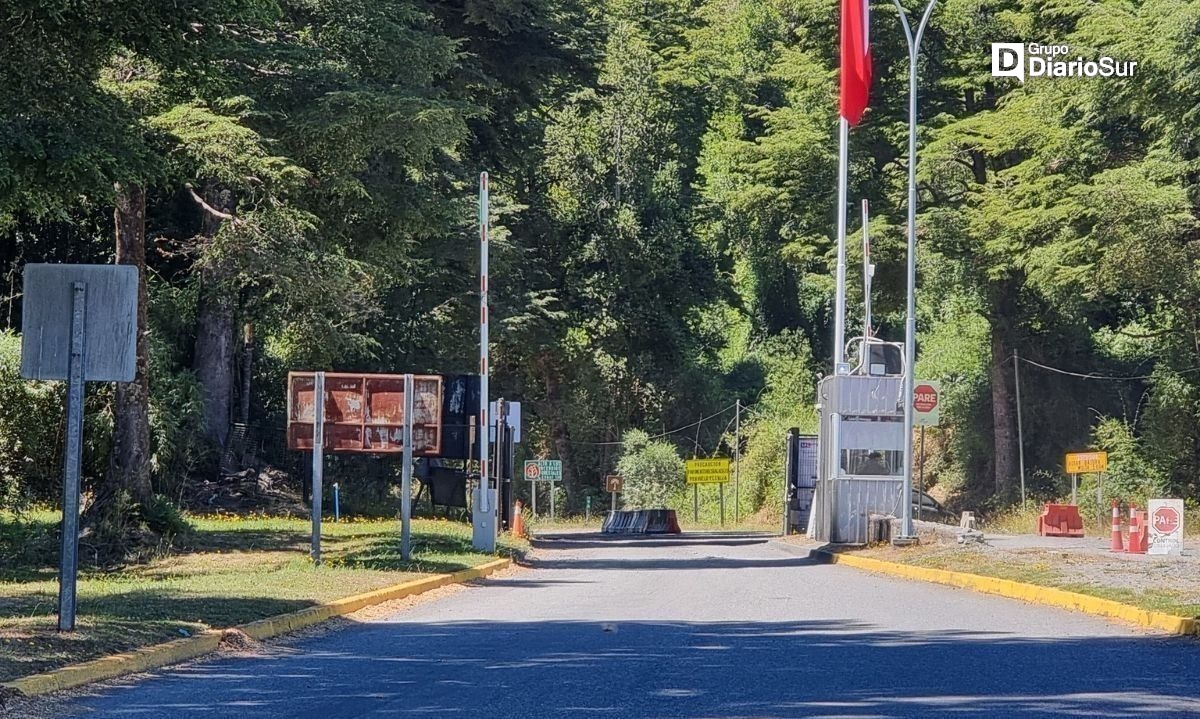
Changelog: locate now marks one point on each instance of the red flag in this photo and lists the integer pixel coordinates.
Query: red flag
(856, 58)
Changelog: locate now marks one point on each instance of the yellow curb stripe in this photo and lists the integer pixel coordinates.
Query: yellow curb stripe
(179, 650)
(1050, 596)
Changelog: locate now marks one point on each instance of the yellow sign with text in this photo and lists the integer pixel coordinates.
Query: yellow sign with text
(1087, 462)
(708, 471)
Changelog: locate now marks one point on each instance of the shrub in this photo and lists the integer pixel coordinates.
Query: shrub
(31, 436)
(652, 470)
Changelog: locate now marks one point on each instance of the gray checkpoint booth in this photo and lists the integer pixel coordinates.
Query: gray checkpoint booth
(860, 455)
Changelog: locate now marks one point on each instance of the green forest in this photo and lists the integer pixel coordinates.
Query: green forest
(297, 181)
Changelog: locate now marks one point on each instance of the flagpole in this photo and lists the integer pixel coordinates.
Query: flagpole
(907, 534)
(839, 307)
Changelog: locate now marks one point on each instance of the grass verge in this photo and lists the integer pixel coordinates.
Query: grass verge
(227, 571)
(1085, 575)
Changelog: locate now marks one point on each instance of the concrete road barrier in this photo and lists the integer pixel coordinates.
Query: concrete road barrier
(641, 521)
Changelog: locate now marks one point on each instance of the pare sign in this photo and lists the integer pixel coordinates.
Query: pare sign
(1165, 517)
(927, 403)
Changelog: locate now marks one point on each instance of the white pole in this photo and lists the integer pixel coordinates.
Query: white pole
(839, 300)
(910, 324)
(482, 514)
(406, 473)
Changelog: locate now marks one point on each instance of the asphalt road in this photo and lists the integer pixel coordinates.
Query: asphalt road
(697, 627)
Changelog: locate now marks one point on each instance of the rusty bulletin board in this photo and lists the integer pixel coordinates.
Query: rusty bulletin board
(365, 413)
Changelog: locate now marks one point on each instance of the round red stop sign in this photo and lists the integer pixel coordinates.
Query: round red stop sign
(925, 398)
(1166, 520)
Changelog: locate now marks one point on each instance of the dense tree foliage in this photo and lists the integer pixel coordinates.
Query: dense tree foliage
(302, 173)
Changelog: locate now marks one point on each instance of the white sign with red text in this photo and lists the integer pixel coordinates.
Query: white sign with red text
(1165, 517)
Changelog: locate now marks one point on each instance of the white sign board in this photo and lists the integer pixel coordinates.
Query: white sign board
(1165, 517)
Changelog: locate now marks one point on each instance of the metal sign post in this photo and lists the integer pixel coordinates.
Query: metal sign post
(79, 324)
(318, 462)
(613, 484)
(921, 475)
(406, 474)
(737, 462)
(69, 557)
(927, 407)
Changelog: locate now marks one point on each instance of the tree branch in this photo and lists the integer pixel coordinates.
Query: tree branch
(210, 209)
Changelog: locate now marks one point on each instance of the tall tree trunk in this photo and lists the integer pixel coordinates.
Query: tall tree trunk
(130, 463)
(1004, 424)
(216, 327)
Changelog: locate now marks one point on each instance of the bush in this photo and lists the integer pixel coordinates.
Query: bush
(1130, 477)
(31, 436)
(652, 470)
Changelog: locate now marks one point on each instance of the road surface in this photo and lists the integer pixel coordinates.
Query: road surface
(712, 627)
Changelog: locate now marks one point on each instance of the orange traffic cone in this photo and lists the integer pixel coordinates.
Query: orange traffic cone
(1137, 532)
(518, 525)
(1116, 529)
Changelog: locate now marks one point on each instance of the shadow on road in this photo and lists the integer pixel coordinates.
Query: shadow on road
(718, 670)
(709, 562)
(596, 540)
(557, 552)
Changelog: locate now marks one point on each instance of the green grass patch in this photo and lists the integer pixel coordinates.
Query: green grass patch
(226, 571)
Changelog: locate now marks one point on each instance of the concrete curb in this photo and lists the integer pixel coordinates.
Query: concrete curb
(179, 650)
(1049, 596)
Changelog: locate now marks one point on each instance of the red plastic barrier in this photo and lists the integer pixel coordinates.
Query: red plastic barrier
(1060, 520)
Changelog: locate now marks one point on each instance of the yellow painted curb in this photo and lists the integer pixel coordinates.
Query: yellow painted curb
(1050, 596)
(179, 650)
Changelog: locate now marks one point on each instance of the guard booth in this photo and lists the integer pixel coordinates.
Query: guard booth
(860, 457)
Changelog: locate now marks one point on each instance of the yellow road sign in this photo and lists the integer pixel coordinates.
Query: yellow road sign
(708, 471)
(1085, 462)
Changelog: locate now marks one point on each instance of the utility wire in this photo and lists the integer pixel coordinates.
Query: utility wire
(1093, 375)
(702, 420)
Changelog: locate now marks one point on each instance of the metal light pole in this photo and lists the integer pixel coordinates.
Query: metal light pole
(910, 325)
(483, 511)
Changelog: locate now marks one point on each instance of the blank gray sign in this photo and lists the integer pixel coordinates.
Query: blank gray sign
(110, 326)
